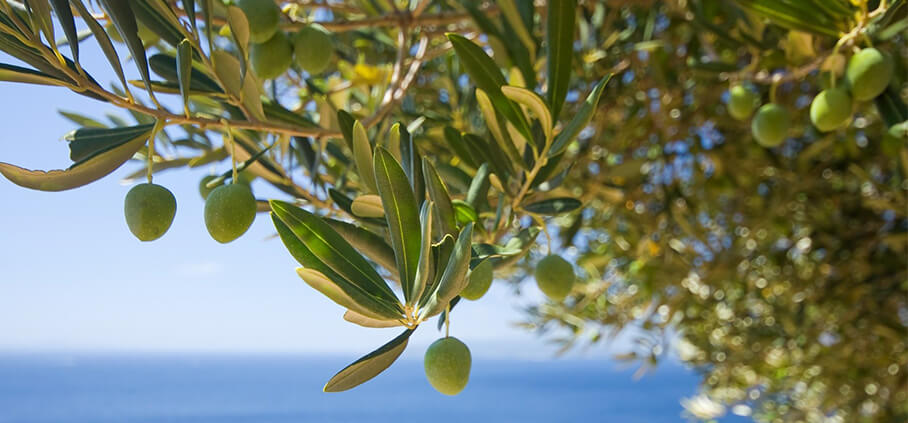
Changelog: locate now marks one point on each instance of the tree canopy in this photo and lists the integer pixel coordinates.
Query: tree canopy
(726, 178)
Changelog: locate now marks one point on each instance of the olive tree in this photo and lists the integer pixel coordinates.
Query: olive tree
(726, 177)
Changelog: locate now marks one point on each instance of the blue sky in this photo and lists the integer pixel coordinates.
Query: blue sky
(72, 277)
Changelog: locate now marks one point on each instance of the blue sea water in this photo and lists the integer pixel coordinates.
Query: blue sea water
(277, 389)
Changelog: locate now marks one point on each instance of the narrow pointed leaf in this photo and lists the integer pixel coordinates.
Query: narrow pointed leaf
(424, 269)
(335, 252)
(554, 206)
(454, 279)
(441, 252)
(532, 101)
(89, 169)
(103, 40)
(331, 288)
(371, 245)
(402, 215)
(486, 75)
(502, 138)
(369, 322)
(370, 365)
(368, 205)
(86, 142)
(477, 195)
(559, 37)
(184, 72)
(330, 283)
(124, 20)
(580, 120)
(439, 195)
(68, 23)
(40, 10)
(189, 7)
(346, 121)
(167, 67)
(362, 156)
(12, 73)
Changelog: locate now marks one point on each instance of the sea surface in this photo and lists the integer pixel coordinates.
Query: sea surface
(277, 389)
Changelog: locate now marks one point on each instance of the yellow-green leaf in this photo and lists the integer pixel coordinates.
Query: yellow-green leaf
(369, 366)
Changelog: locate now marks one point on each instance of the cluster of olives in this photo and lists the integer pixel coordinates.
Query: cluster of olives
(866, 76)
(229, 210)
(272, 51)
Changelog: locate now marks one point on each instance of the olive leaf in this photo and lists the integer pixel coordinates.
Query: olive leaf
(362, 156)
(454, 279)
(502, 138)
(402, 215)
(440, 197)
(425, 268)
(554, 206)
(477, 195)
(13, 73)
(184, 72)
(124, 20)
(371, 245)
(533, 102)
(103, 40)
(110, 154)
(68, 23)
(332, 251)
(368, 322)
(370, 365)
(368, 205)
(580, 120)
(486, 75)
(559, 38)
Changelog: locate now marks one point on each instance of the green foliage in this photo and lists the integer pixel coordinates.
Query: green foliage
(408, 145)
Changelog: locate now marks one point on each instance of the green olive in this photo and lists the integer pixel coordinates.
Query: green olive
(264, 18)
(149, 210)
(229, 211)
(831, 109)
(271, 58)
(868, 74)
(742, 102)
(770, 125)
(555, 277)
(480, 281)
(313, 48)
(447, 365)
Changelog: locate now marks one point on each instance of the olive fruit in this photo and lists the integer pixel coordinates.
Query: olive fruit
(741, 102)
(447, 365)
(868, 73)
(831, 109)
(313, 48)
(264, 18)
(229, 211)
(770, 125)
(149, 210)
(271, 58)
(480, 281)
(555, 277)
(203, 186)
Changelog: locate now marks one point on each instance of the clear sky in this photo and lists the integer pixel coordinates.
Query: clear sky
(72, 276)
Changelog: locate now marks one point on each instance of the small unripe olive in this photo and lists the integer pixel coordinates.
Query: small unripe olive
(480, 281)
(447, 365)
(555, 277)
(831, 109)
(741, 102)
(313, 48)
(149, 210)
(770, 125)
(271, 58)
(868, 73)
(229, 211)
(264, 18)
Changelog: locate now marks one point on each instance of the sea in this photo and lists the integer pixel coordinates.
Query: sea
(196, 388)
